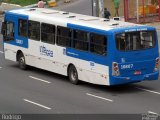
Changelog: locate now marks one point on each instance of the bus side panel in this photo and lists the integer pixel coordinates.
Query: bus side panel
(94, 77)
(91, 68)
(37, 57)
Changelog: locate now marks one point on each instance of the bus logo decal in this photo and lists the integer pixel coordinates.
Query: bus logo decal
(46, 52)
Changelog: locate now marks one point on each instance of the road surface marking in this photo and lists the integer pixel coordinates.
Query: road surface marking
(0, 67)
(99, 97)
(148, 90)
(39, 79)
(37, 104)
(1, 52)
(152, 112)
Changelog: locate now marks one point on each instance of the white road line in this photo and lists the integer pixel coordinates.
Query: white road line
(39, 79)
(99, 97)
(1, 52)
(148, 90)
(152, 112)
(0, 67)
(37, 104)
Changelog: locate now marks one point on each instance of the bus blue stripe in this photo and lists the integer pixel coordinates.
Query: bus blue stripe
(83, 55)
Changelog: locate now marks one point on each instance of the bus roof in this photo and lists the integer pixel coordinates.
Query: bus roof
(63, 18)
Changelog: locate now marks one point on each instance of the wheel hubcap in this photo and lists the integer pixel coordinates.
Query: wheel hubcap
(73, 75)
(21, 61)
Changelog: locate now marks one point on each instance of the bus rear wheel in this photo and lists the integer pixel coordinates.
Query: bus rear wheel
(73, 75)
(21, 61)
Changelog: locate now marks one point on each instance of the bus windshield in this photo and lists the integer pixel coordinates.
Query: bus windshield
(137, 40)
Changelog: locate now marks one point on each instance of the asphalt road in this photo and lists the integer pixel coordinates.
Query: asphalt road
(76, 6)
(37, 91)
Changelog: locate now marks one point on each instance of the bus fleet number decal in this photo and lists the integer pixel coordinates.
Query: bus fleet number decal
(129, 66)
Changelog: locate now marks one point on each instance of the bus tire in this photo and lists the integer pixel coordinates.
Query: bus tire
(73, 75)
(22, 62)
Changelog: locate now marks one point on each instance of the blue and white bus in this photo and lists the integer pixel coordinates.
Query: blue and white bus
(84, 48)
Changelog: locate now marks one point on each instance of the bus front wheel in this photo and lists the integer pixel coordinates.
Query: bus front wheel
(21, 61)
(73, 75)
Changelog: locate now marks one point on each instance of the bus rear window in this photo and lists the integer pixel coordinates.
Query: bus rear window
(138, 40)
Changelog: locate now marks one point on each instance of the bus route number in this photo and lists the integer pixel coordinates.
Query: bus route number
(129, 66)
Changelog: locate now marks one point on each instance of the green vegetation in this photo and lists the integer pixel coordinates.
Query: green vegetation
(22, 2)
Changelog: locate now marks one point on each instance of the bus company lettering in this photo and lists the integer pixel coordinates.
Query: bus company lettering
(45, 51)
(139, 29)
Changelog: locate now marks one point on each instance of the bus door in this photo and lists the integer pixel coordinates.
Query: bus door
(8, 32)
(8, 29)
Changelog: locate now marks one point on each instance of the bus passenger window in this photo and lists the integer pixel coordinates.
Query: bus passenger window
(121, 42)
(8, 29)
(146, 39)
(47, 33)
(22, 28)
(98, 44)
(64, 36)
(80, 40)
(34, 30)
